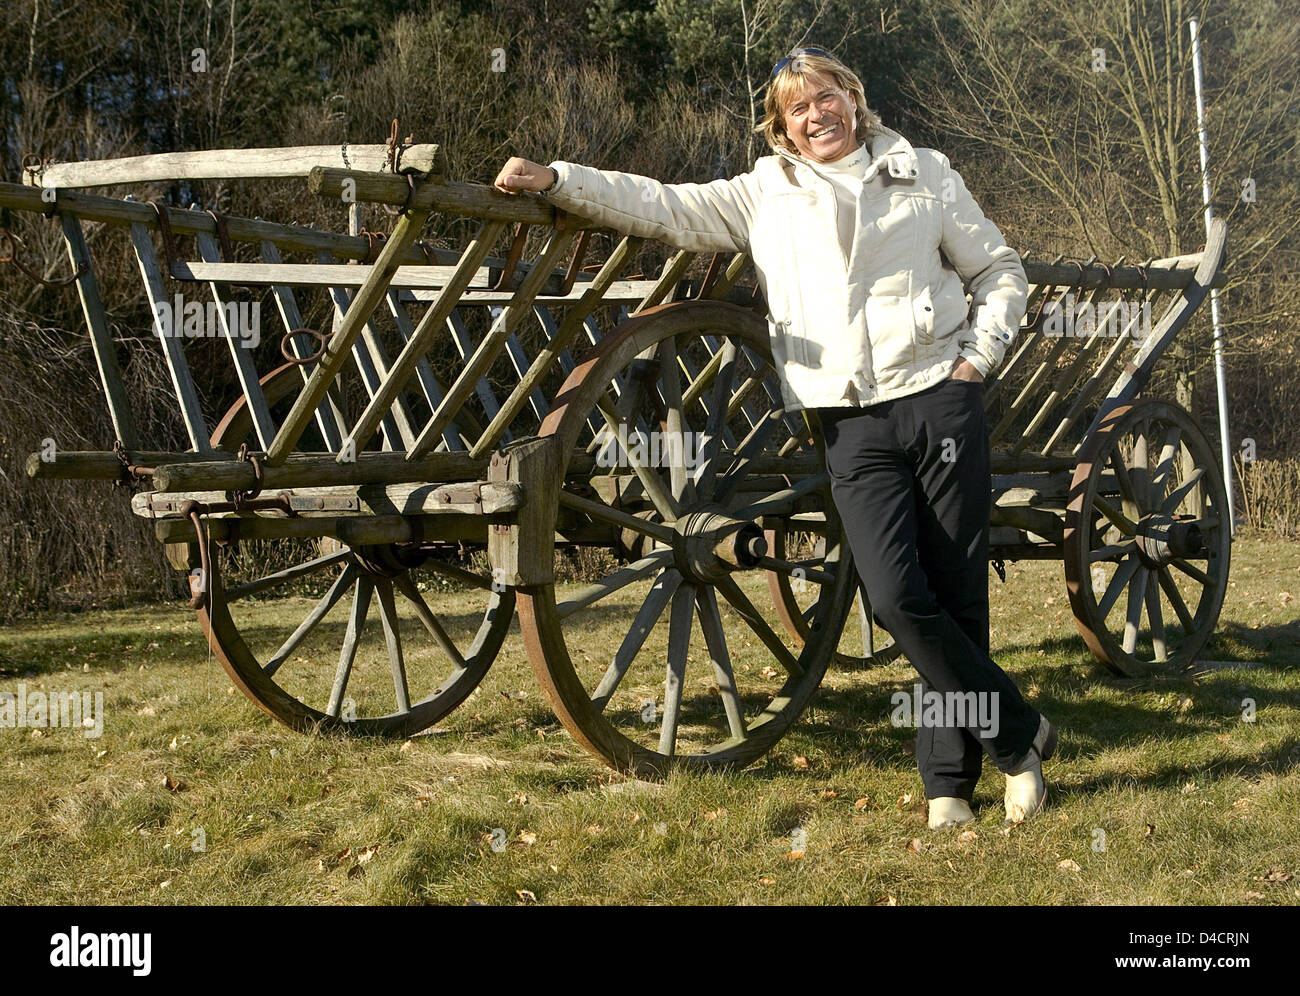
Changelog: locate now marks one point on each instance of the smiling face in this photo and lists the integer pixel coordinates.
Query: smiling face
(821, 121)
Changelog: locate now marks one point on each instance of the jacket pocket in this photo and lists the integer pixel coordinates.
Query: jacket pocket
(923, 317)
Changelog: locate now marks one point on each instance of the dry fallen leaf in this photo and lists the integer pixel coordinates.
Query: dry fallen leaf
(1149, 831)
(800, 761)
(914, 845)
(172, 785)
(1276, 875)
(966, 836)
(887, 901)
(830, 794)
(1068, 864)
(714, 814)
(367, 853)
(527, 838)
(794, 855)
(526, 895)
(766, 881)
(1255, 895)
(862, 803)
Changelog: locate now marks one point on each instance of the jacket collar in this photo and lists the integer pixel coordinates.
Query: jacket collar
(890, 153)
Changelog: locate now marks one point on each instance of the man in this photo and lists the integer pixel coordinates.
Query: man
(862, 245)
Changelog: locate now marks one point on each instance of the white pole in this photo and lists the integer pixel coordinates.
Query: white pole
(1220, 375)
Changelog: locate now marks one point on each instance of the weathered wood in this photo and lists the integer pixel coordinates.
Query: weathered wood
(481, 361)
(464, 498)
(241, 354)
(329, 416)
(111, 211)
(236, 164)
(593, 296)
(182, 381)
(431, 322)
(372, 363)
(99, 465)
(101, 339)
(522, 551)
(336, 352)
(474, 200)
(318, 274)
(355, 531)
(304, 470)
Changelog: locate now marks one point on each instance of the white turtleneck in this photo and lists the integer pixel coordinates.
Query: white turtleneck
(846, 176)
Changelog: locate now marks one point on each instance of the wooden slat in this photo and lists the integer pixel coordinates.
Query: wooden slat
(363, 306)
(182, 382)
(101, 339)
(429, 384)
(236, 164)
(487, 351)
(242, 355)
(372, 363)
(329, 415)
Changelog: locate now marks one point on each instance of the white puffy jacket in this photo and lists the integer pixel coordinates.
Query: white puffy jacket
(889, 321)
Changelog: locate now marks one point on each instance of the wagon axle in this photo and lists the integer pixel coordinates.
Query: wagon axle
(1162, 539)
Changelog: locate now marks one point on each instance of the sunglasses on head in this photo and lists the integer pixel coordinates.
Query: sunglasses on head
(797, 52)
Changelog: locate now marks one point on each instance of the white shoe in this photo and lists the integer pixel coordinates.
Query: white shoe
(949, 811)
(1026, 792)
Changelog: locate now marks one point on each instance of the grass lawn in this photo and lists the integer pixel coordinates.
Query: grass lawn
(1161, 793)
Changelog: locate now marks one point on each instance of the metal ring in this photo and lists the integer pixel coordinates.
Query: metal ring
(287, 338)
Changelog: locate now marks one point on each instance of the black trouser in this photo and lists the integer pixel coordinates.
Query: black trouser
(910, 478)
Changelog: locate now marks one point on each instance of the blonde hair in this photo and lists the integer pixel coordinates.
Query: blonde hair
(789, 84)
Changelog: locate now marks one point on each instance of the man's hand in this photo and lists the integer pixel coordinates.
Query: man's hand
(520, 174)
(964, 369)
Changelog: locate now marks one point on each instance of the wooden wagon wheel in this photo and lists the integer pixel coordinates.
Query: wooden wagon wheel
(632, 697)
(1147, 534)
(417, 666)
(794, 600)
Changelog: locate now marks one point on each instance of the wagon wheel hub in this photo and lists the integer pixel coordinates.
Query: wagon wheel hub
(709, 544)
(1163, 538)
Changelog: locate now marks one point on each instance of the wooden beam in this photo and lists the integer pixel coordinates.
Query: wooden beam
(235, 164)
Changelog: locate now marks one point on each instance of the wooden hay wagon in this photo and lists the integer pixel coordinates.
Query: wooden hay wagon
(475, 409)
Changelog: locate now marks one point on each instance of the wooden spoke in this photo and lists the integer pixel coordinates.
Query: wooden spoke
(621, 578)
(706, 604)
(1192, 572)
(679, 642)
(1133, 617)
(1175, 599)
(1165, 465)
(393, 638)
(1156, 618)
(1122, 522)
(318, 612)
(650, 479)
(786, 567)
(605, 513)
(239, 591)
(356, 623)
(430, 621)
(670, 374)
(646, 617)
(711, 451)
(1171, 504)
(749, 447)
(1121, 578)
(783, 499)
(745, 608)
(1112, 551)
